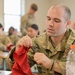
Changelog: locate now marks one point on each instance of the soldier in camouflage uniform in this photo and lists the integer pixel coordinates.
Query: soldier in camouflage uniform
(28, 19)
(51, 47)
(33, 31)
(14, 38)
(4, 42)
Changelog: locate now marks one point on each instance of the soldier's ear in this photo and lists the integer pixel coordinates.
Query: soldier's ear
(68, 23)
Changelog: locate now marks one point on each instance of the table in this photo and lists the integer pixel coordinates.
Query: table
(10, 73)
(3, 55)
(5, 72)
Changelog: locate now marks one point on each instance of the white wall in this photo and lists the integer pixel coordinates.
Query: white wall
(1, 12)
(23, 7)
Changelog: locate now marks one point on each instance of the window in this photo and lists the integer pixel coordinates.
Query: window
(12, 14)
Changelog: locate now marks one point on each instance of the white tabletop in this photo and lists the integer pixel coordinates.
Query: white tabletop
(5, 72)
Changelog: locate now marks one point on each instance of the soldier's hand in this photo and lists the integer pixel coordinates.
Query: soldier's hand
(24, 41)
(41, 58)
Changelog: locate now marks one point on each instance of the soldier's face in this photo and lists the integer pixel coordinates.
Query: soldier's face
(32, 11)
(31, 32)
(11, 31)
(55, 22)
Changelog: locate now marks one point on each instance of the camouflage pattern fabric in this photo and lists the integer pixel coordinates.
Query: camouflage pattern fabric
(4, 41)
(14, 39)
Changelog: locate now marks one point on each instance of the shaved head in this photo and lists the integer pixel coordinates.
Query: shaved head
(67, 14)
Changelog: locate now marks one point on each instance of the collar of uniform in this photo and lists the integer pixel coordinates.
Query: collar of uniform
(50, 47)
(71, 38)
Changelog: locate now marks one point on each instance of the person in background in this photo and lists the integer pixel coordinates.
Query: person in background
(4, 40)
(33, 31)
(4, 43)
(12, 35)
(28, 19)
(15, 32)
(51, 48)
(10, 31)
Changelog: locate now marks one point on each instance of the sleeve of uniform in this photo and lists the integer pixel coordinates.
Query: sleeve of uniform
(9, 59)
(62, 62)
(62, 66)
(7, 41)
(2, 46)
(31, 57)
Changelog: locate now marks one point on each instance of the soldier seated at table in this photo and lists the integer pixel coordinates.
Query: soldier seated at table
(4, 43)
(12, 35)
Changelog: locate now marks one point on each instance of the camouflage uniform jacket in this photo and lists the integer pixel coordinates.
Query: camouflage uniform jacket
(44, 45)
(14, 39)
(4, 41)
(26, 21)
